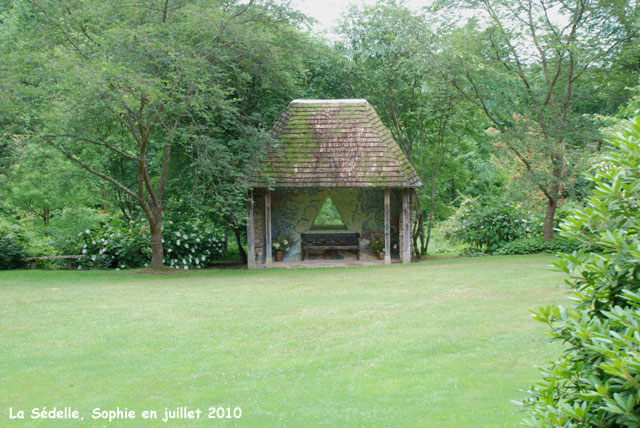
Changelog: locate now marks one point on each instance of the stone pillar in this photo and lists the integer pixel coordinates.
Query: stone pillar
(387, 226)
(251, 245)
(258, 225)
(406, 226)
(267, 228)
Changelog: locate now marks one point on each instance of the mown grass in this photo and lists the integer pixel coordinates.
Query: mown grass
(441, 343)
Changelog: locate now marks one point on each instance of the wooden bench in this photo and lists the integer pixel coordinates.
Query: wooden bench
(32, 260)
(331, 241)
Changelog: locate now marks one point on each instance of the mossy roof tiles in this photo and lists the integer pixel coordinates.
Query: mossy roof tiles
(334, 143)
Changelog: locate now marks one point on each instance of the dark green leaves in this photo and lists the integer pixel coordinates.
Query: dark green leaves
(596, 380)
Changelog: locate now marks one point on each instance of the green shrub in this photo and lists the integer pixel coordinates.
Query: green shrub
(12, 246)
(71, 221)
(536, 244)
(187, 245)
(42, 246)
(191, 245)
(112, 245)
(561, 244)
(487, 226)
(596, 380)
(471, 252)
(563, 211)
(523, 246)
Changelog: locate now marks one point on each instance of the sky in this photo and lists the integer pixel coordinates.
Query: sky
(328, 12)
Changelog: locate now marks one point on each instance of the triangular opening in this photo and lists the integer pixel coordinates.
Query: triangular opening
(328, 218)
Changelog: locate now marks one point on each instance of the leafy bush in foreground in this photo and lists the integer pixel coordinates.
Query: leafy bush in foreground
(596, 380)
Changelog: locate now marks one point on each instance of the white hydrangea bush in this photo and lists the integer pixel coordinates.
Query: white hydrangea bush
(190, 246)
(124, 246)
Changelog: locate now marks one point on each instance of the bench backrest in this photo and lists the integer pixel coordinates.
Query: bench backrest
(328, 239)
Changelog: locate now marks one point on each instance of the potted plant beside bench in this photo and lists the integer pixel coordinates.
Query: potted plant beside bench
(377, 246)
(280, 246)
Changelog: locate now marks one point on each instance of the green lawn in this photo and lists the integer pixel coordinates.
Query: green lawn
(441, 343)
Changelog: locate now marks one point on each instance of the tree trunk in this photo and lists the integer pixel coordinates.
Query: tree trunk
(552, 198)
(423, 240)
(453, 190)
(416, 236)
(432, 207)
(105, 198)
(157, 252)
(429, 229)
(549, 216)
(243, 253)
(417, 233)
(46, 215)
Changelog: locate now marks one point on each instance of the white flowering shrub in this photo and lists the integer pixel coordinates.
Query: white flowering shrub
(114, 245)
(118, 245)
(190, 246)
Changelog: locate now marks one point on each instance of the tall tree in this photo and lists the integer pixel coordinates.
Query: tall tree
(386, 44)
(131, 80)
(532, 66)
(41, 183)
(394, 63)
(268, 73)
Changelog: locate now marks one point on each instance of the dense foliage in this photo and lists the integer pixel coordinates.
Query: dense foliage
(595, 381)
(532, 245)
(151, 100)
(537, 75)
(121, 245)
(12, 246)
(494, 226)
(191, 245)
(113, 245)
(488, 226)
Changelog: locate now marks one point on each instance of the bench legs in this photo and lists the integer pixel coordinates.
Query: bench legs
(68, 259)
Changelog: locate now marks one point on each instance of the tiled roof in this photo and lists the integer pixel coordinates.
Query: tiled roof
(334, 143)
